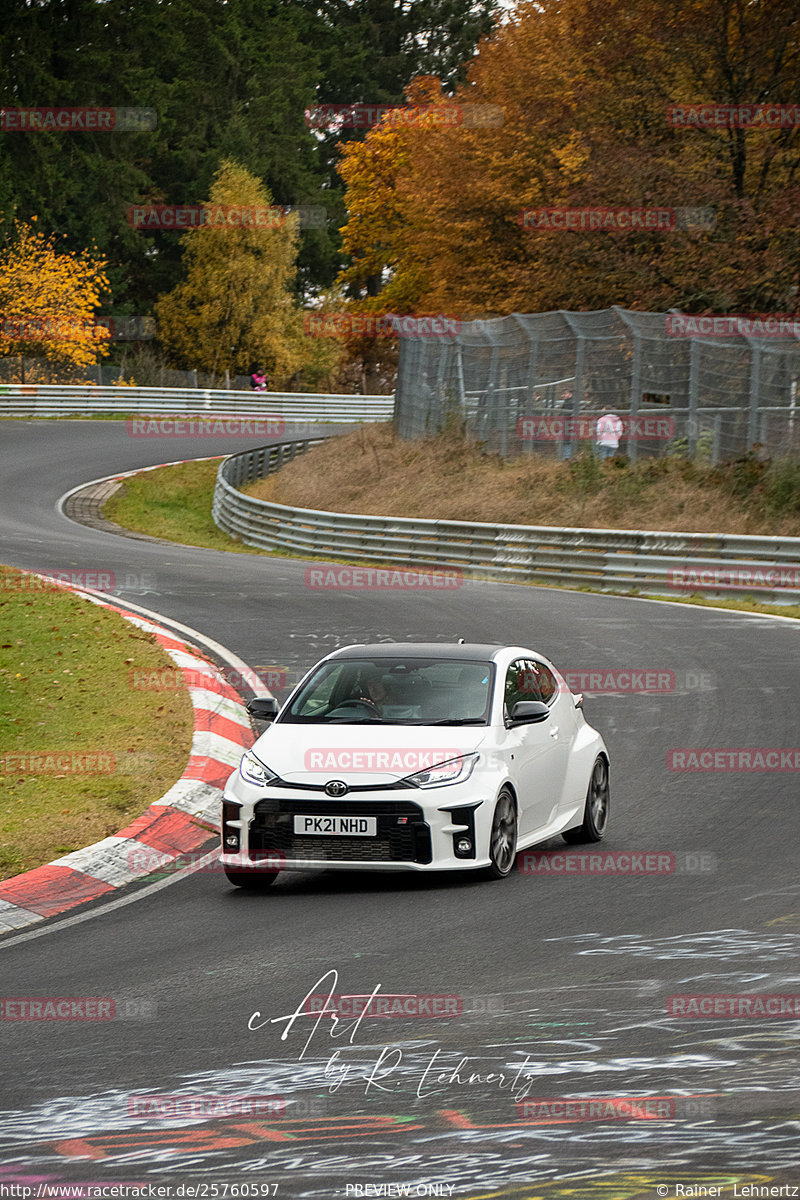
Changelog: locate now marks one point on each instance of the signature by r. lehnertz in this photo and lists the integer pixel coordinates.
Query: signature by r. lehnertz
(432, 1079)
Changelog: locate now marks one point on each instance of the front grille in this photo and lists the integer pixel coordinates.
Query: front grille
(272, 829)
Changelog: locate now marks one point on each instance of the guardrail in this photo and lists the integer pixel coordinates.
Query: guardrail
(672, 564)
(47, 400)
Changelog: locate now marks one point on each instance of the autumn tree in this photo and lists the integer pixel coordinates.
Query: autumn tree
(48, 300)
(235, 310)
(585, 90)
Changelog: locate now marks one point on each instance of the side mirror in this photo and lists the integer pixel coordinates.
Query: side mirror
(528, 712)
(263, 708)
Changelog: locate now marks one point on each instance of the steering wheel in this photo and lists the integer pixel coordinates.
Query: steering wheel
(361, 702)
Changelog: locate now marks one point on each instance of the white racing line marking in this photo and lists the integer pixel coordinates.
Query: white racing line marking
(120, 902)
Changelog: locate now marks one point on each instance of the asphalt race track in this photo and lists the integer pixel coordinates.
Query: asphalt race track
(559, 982)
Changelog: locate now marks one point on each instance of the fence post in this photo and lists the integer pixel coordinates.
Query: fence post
(755, 388)
(462, 392)
(533, 364)
(441, 410)
(716, 439)
(694, 381)
(636, 377)
(577, 395)
(489, 416)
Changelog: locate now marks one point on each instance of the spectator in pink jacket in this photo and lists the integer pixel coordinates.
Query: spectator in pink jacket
(608, 433)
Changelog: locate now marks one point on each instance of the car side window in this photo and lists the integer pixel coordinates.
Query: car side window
(548, 684)
(521, 684)
(529, 679)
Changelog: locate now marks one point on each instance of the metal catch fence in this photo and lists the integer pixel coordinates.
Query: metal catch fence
(540, 383)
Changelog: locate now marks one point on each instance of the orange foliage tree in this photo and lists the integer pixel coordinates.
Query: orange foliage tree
(585, 89)
(48, 300)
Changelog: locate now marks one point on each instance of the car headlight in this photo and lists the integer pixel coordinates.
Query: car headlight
(455, 770)
(252, 770)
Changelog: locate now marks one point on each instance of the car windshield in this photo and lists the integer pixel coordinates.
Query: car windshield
(394, 691)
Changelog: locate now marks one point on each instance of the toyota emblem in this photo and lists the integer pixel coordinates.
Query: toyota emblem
(336, 788)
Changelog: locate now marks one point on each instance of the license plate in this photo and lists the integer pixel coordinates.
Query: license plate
(339, 826)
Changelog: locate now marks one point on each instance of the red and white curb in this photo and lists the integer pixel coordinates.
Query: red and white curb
(180, 822)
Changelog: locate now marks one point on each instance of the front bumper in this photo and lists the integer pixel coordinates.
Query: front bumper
(416, 831)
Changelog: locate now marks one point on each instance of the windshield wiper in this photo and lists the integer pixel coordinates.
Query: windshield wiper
(459, 721)
(352, 721)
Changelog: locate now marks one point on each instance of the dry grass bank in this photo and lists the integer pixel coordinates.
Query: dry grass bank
(371, 471)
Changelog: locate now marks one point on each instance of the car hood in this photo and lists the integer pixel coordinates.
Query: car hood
(361, 754)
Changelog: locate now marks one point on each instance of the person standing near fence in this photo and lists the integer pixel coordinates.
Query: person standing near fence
(608, 432)
(259, 382)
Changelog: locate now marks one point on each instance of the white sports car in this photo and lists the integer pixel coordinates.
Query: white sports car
(415, 757)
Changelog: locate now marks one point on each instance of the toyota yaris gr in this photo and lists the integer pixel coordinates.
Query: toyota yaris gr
(415, 757)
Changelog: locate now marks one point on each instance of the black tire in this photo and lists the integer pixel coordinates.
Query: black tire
(503, 837)
(595, 813)
(252, 881)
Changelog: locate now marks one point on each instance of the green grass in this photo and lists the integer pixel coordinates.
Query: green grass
(67, 695)
(745, 604)
(173, 503)
(34, 416)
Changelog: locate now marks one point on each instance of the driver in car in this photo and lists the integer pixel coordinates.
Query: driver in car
(370, 690)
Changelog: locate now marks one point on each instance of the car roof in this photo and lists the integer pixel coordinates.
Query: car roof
(466, 652)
